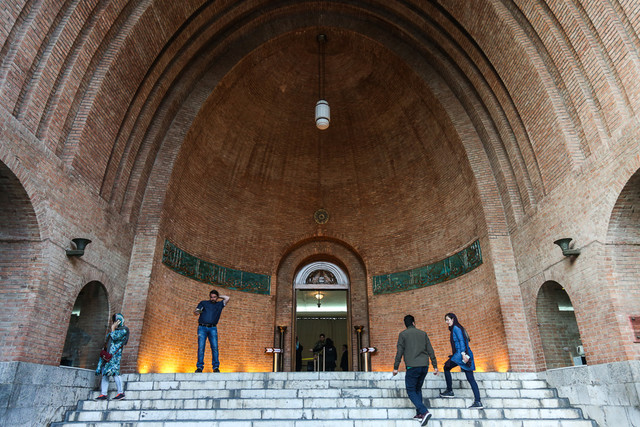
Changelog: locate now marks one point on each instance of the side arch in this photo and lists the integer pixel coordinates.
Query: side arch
(622, 256)
(21, 266)
(88, 321)
(558, 327)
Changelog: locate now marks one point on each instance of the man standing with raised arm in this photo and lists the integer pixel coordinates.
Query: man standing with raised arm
(209, 312)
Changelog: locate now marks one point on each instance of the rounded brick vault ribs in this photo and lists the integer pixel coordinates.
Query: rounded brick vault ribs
(387, 14)
(391, 13)
(211, 89)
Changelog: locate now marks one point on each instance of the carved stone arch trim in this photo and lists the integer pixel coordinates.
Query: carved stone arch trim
(341, 277)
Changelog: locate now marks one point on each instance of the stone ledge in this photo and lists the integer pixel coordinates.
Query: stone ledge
(608, 393)
(32, 394)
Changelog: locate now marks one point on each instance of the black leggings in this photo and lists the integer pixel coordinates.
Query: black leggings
(448, 366)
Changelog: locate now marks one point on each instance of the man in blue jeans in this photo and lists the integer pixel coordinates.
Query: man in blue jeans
(209, 312)
(415, 347)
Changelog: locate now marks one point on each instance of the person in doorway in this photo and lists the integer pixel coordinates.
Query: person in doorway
(415, 347)
(331, 354)
(299, 349)
(319, 344)
(110, 357)
(317, 351)
(462, 356)
(209, 312)
(344, 360)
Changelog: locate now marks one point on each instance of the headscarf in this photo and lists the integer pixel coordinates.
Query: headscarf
(119, 317)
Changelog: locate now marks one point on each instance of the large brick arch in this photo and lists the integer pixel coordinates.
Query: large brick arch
(482, 152)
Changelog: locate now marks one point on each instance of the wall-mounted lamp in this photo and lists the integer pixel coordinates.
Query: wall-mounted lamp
(566, 250)
(81, 244)
(319, 297)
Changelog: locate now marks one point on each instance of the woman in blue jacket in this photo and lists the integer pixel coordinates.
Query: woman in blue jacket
(462, 356)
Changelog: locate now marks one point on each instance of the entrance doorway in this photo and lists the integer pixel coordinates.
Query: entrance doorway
(321, 307)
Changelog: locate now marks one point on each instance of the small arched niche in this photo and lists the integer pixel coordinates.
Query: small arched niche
(561, 342)
(87, 327)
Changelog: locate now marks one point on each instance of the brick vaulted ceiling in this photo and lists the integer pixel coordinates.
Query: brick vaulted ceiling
(113, 88)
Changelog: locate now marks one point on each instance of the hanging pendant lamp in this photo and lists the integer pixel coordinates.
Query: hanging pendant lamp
(323, 113)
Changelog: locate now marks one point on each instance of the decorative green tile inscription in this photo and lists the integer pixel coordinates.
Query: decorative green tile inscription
(449, 268)
(206, 272)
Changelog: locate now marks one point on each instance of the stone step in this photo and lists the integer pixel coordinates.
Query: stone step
(220, 381)
(333, 399)
(316, 414)
(291, 403)
(342, 423)
(133, 392)
(338, 375)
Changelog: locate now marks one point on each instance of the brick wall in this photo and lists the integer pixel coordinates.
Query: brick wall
(514, 122)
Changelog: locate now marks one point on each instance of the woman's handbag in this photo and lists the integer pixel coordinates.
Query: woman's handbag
(105, 355)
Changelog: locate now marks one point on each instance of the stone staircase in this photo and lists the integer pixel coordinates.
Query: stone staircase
(331, 399)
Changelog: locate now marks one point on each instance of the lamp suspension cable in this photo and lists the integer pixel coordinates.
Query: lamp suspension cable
(322, 106)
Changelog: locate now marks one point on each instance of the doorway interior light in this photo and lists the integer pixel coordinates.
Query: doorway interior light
(323, 115)
(319, 297)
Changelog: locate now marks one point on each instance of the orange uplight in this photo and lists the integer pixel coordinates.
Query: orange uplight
(502, 367)
(144, 369)
(168, 367)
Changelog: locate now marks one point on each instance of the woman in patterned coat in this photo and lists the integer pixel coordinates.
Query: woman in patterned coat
(115, 342)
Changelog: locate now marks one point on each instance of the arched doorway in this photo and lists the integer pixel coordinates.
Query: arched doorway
(322, 307)
(293, 264)
(558, 327)
(87, 327)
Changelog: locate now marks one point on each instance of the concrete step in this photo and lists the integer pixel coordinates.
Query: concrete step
(324, 402)
(434, 422)
(316, 414)
(317, 399)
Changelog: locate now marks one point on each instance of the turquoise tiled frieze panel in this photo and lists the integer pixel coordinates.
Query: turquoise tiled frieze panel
(206, 272)
(449, 268)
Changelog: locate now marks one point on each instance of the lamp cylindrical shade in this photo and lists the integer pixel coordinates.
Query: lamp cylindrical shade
(322, 114)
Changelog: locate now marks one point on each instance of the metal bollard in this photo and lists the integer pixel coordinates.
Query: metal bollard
(277, 355)
(366, 356)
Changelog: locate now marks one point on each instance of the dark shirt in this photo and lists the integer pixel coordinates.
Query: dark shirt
(332, 356)
(211, 312)
(344, 362)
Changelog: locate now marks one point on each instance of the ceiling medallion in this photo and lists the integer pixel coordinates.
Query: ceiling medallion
(321, 216)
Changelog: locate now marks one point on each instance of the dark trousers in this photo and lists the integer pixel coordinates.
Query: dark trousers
(413, 380)
(448, 366)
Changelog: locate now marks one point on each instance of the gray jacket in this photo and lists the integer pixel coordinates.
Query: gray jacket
(416, 348)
